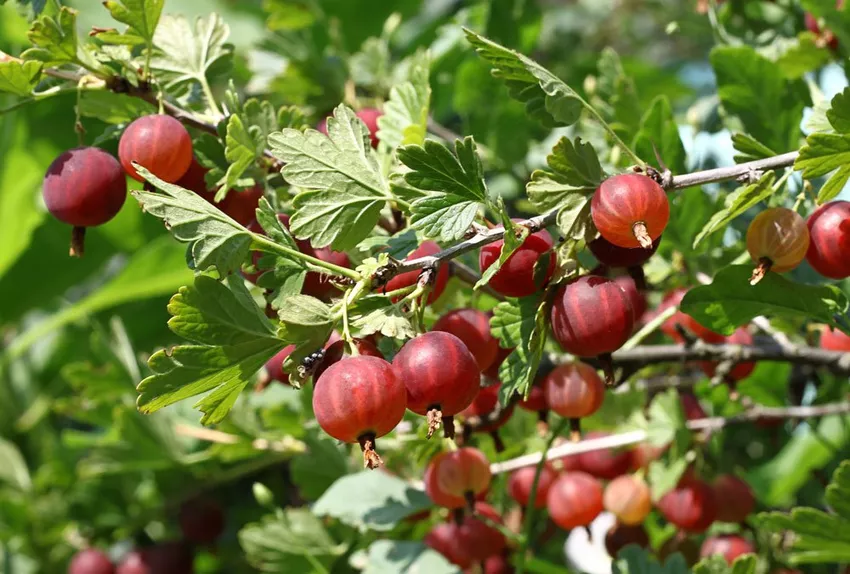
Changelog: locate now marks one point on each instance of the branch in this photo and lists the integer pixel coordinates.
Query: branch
(637, 436)
(287, 444)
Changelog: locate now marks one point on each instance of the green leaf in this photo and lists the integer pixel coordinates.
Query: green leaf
(303, 317)
(838, 113)
(729, 301)
(574, 220)
(247, 132)
(825, 152)
(717, 564)
(405, 117)
(546, 98)
(753, 88)
(616, 96)
(113, 108)
(279, 543)
(392, 556)
(749, 148)
(237, 337)
(663, 476)
(381, 501)
(215, 240)
(658, 128)
(187, 54)
(737, 203)
(635, 560)
(19, 78)
(54, 40)
(666, 421)
(575, 171)
(522, 324)
(140, 15)
(452, 184)
(313, 473)
(13, 468)
(347, 190)
(370, 67)
(289, 14)
(512, 240)
(800, 55)
(377, 314)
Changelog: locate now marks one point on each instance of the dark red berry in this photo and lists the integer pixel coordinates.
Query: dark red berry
(734, 497)
(829, 240)
(536, 400)
(319, 285)
(630, 210)
(729, 546)
(164, 558)
(201, 520)
(690, 405)
(607, 463)
(485, 402)
(492, 372)
(521, 481)
(575, 499)
(241, 206)
(686, 322)
(84, 187)
(274, 366)
(411, 277)
(615, 256)
(441, 376)
(740, 371)
(160, 144)
(444, 539)
(359, 399)
(479, 538)
(473, 328)
(338, 350)
(622, 535)
(91, 561)
(495, 565)
(574, 390)
(516, 277)
(636, 297)
(691, 506)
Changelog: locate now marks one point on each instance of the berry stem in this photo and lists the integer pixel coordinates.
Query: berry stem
(371, 459)
(449, 427)
(607, 368)
(266, 245)
(642, 235)
(78, 242)
(761, 270)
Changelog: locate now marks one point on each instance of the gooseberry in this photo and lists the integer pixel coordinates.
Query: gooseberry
(691, 407)
(536, 403)
(636, 296)
(521, 481)
(273, 369)
(461, 473)
(615, 256)
(441, 376)
(492, 371)
(479, 539)
(84, 187)
(164, 558)
(160, 144)
(690, 505)
(730, 546)
(740, 371)
(339, 349)
(573, 390)
(359, 399)
(630, 210)
(644, 453)
(201, 520)
(606, 463)
(320, 285)
(575, 499)
(825, 36)
(834, 340)
(621, 535)
(516, 277)
(444, 539)
(829, 240)
(91, 561)
(627, 497)
(409, 278)
(686, 322)
(734, 497)
(496, 565)
(777, 240)
(473, 328)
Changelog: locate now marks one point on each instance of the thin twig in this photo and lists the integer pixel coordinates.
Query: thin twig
(287, 444)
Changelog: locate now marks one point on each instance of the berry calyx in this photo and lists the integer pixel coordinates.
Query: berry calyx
(359, 399)
(441, 377)
(729, 546)
(606, 463)
(574, 390)
(829, 240)
(461, 474)
(627, 497)
(834, 340)
(630, 210)
(691, 505)
(403, 280)
(575, 499)
(201, 521)
(777, 240)
(84, 187)
(592, 316)
(160, 144)
(621, 535)
(91, 561)
(340, 349)
(521, 481)
(517, 277)
(734, 497)
(615, 256)
(473, 328)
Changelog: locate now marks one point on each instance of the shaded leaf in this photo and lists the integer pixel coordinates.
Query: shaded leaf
(392, 556)
(658, 128)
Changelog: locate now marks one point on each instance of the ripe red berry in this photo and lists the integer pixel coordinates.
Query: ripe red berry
(274, 367)
(691, 407)
(521, 480)
(339, 350)
(359, 399)
(574, 390)
(495, 565)
(444, 539)
(516, 276)
(615, 256)
(460, 474)
(164, 558)
(485, 402)
(643, 454)
(740, 371)
(630, 210)
(622, 535)
(729, 546)
(777, 240)
(627, 497)
(158, 143)
(84, 187)
(201, 520)
(320, 285)
(829, 240)
(441, 376)
(473, 328)
(636, 297)
(241, 205)
(411, 277)
(575, 499)
(91, 561)
(606, 463)
(492, 371)
(592, 316)
(536, 400)
(479, 538)
(834, 340)
(686, 322)
(691, 505)
(734, 497)
(436, 493)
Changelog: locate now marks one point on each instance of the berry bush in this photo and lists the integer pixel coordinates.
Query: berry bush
(484, 286)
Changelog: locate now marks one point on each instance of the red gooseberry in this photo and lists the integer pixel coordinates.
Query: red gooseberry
(615, 256)
(691, 505)
(627, 497)
(461, 473)
(521, 481)
(516, 277)
(825, 36)
(740, 371)
(494, 565)
(729, 546)
(164, 558)
(359, 399)
(441, 376)
(479, 538)
(91, 561)
(592, 316)
(734, 497)
(777, 240)
(686, 322)
(473, 328)
(320, 285)
(691, 407)
(829, 240)
(606, 463)
(340, 349)
(409, 278)
(484, 405)
(536, 403)
(273, 369)
(492, 372)
(621, 535)
(573, 390)
(575, 499)
(201, 520)
(160, 144)
(444, 539)
(644, 453)
(834, 340)
(84, 187)
(435, 493)
(630, 210)
(636, 296)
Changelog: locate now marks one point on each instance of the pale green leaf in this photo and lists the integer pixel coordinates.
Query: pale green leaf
(575, 171)
(377, 314)
(54, 40)
(140, 15)
(113, 108)
(405, 117)
(280, 543)
(392, 556)
(19, 78)
(13, 468)
(522, 324)
(737, 203)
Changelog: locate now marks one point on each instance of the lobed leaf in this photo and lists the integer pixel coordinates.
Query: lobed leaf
(140, 15)
(405, 117)
(281, 543)
(522, 324)
(737, 203)
(54, 40)
(659, 131)
(575, 172)
(19, 78)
